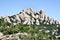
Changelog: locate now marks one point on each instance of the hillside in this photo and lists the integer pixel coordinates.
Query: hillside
(29, 25)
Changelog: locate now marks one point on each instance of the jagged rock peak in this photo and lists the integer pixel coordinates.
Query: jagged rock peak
(29, 17)
(42, 11)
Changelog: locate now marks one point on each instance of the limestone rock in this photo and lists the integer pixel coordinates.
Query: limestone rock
(18, 19)
(1, 34)
(29, 17)
(47, 31)
(37, 22)
(17, 36)
(7, 19)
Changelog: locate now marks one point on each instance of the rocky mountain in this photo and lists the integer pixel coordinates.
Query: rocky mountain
(29, 17)
(29, 25)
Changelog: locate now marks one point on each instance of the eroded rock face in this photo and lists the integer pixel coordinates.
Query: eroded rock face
(7, 19)
(42, 15)
(18, 19)
(30, 17)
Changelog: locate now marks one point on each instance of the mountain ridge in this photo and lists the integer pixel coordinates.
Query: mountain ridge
(29, 25)
(30, 17)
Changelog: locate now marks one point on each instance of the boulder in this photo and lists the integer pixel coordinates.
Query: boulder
(18, 19)
(1, 34)
(7, 19)
(37, 22)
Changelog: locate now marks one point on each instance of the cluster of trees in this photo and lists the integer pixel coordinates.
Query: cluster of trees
(34, 32)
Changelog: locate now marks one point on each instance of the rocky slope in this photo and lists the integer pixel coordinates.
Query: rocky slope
(29, 25)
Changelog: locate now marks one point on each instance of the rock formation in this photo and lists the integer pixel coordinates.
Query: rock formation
(17, 36)
(30, 17)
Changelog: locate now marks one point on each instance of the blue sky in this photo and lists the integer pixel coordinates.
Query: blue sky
(11, 7)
